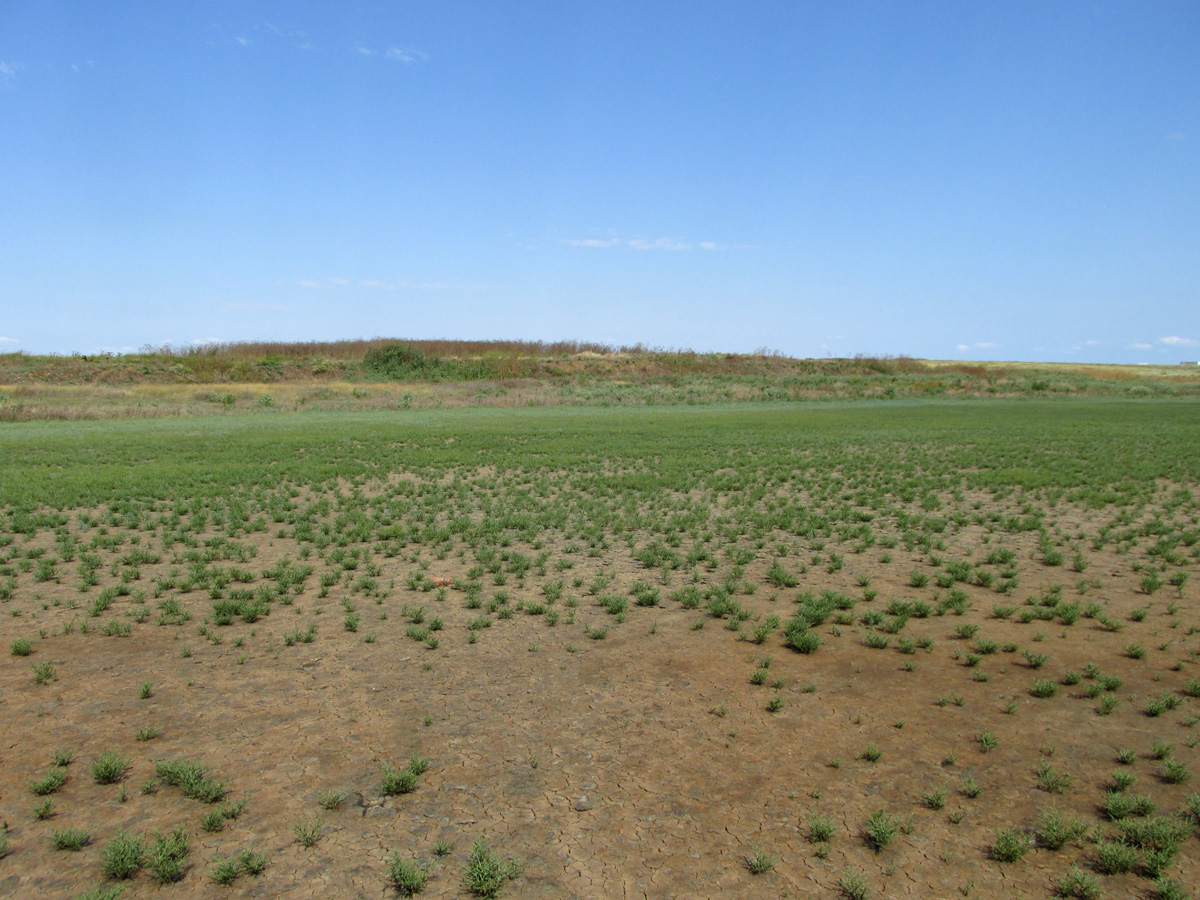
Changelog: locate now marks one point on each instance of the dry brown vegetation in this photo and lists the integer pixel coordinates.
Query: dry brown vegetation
(272, 376)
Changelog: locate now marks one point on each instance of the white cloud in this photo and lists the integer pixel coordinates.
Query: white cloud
(1176, 136)
(241, 41)
(1092, 343)
(978, 345)
(640, 243)
(659, 244)
(364, 51)
(592, 242)
(8, 72)
(1174, 341)
(1139, 346)
(405, 55)
(8, 340)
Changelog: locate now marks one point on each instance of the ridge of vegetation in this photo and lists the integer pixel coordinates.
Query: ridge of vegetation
(382, 373)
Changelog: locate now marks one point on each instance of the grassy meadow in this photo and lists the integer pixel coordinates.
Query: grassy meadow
(754, 650)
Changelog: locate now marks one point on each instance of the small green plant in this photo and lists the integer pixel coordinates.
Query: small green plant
(1051, 780)
(820, 828)
(1043, 688)
(1175, 772)
(254, 862)
(123, 856)
(872, 753)
(44, 673)
(191, 778)
(146, 690)
(1009, 846)
(308, 833)
(934, 798)
(69, 838)
(50, 782)
(987, 742)
(1168, 889)
(759, 862)
(330, 799)
(486, 873)
(1054, 830)
(20, 647)
(853, 885)
(398, 781)
(226, 871)
(109, 767)
(148, 733)
(167, 856)
(1077, 885)
(879, 829)
(1115, 858)
(1160, 749)
(406, 878)
(1123, 780)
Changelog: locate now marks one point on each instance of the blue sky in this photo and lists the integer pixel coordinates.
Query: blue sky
(984, 180)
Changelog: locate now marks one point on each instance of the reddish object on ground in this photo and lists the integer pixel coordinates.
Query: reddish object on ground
(441, 581)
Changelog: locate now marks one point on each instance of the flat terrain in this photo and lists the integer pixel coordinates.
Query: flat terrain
(906, 648)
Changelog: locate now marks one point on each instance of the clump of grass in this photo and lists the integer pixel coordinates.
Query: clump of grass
(167, 857)
(1043, 688)
(879, 829)
(1115, 858)
(191, 778)
(486, 872)
(820, 828)
(226, 871)
(330, 799)
(853, 886)
(406, 878)
(109, 767)
(398, 781)
(123, 856)
(1009, 846)
(69, 838)
(758, 862)
(1078, 885)
(20, 647)
(1054, 831)
(308, 833)
(50, 782)
(1051, 780)
(935, 798)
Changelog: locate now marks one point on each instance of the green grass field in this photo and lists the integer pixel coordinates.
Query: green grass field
(1087, 448)
(761, 648)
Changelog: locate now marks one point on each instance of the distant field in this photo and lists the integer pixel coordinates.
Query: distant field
(940, 648)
